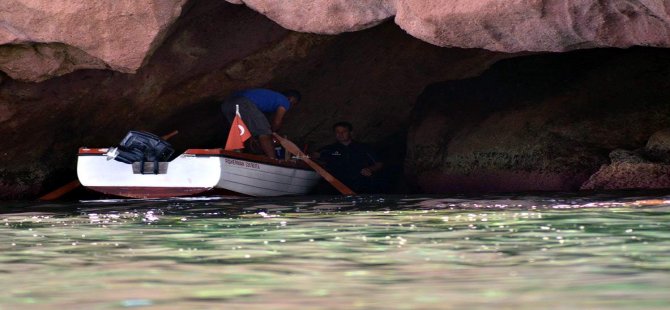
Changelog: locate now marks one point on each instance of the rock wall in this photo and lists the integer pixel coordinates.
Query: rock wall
(43, 124)
(83, 74)
(214, 49)
(544, 122)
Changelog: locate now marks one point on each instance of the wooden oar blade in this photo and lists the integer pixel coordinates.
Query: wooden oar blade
(61, 191)
(170, 135)
(289, 146)
(295, 150)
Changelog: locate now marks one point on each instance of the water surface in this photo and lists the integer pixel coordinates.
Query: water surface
(370, 252)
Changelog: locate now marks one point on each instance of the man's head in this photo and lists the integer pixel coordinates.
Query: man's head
(293, 96)
(343, 132)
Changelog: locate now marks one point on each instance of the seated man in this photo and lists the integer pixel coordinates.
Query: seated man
(354, 164)
(254, 104)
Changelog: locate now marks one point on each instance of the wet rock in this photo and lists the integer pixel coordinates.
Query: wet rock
(632, 169)
(625, 156)
(527, 124)
(623, 175)
(658, 146)
(16, 185)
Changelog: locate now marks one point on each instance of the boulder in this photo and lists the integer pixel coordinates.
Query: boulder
(43, 39)
(324, 16)
(624, 175)
(625, 156)
(531, 25)
(658, 146)
(631, 169)
(506, 26)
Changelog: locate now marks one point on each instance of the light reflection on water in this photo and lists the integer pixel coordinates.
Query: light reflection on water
(372, 252)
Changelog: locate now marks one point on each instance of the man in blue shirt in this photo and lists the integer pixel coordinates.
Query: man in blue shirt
(254, 105)
(354, 164)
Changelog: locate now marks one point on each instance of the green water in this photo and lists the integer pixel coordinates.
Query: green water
(373, 252)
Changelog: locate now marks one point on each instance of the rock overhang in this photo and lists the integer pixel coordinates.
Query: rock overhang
(43, 39)
(40, 40)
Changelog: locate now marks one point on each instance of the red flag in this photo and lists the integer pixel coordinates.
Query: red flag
(238, 133)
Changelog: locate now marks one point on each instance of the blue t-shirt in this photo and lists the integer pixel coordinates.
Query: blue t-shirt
(266, 100)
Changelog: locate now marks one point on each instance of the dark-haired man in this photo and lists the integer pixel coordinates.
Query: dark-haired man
(352, 162)
(254, 105)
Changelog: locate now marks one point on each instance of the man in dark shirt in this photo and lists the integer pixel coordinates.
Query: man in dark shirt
(354, 164)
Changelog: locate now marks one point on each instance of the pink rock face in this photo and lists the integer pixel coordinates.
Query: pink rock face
(324, 16)
(507, 26)
(41, 39)
(534, 25)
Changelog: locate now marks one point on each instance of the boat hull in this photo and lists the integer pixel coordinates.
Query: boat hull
(149, 192)
(196, 172)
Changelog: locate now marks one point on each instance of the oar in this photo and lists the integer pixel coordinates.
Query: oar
(61, 191)
(170, 135)
(74, 184)
(295, 150)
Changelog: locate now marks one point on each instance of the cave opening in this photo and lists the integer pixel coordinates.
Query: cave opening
(444, 120)
(583, 120)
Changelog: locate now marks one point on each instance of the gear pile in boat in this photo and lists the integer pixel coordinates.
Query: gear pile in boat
(139, 146)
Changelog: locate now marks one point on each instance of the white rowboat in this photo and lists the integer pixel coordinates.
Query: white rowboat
(195, 172)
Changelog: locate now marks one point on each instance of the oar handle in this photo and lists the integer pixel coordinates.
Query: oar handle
(170, 135)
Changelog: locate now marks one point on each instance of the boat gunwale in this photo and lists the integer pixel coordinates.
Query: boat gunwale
(218, 152)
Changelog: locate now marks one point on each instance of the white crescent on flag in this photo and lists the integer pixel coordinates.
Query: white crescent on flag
(241, 129)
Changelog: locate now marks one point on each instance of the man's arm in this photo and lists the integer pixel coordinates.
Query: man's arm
(370, 170)
(374, 165)
(277, 120)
